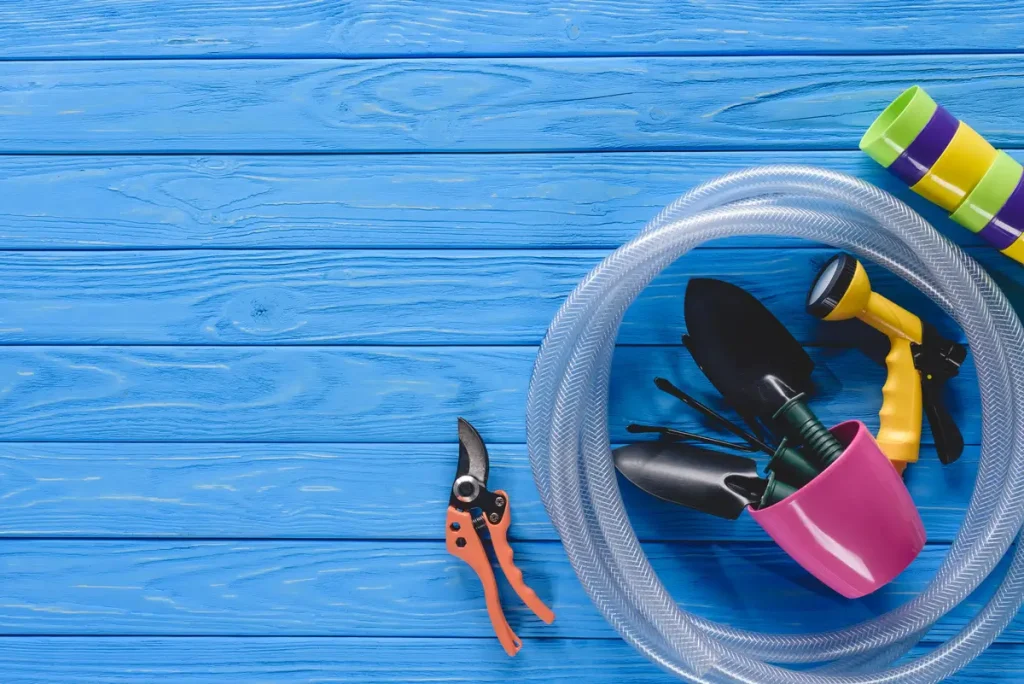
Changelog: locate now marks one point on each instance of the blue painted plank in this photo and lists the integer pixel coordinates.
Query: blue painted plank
(384, 297)
(493, 201)
(245, 491)
(219, 28)
(381, 588)
(285, 660)
(290, 660)
(492, 104)
(361, 394)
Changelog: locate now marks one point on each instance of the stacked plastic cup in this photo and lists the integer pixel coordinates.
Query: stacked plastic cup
(945, 160)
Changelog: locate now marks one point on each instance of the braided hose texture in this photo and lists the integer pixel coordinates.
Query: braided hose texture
(567, 433)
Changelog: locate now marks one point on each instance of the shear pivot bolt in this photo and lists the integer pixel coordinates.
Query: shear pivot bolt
(494, 517)
(499, 501)
(466, 489)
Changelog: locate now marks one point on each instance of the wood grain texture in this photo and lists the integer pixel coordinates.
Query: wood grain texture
(487, 104)
(380, 588)
(462, 297)
(363, 394)
(290, 660)
(190, 28)
(245, 491)
(320, 201)
(266, 507)
(287, 660)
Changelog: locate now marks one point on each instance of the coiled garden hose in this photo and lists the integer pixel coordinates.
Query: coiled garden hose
(567, 432)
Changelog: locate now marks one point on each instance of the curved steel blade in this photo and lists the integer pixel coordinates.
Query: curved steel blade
(473, 459)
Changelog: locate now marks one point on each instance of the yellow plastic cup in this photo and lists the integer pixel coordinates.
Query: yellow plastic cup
(959, 169)
(1016, 251)
(990, 194)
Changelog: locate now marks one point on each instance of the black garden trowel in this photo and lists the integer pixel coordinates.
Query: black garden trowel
(764, 374)
(675, 469)
(708, 481)
(758, 367)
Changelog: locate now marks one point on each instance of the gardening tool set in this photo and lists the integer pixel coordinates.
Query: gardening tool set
(823, 488)
(834, 497)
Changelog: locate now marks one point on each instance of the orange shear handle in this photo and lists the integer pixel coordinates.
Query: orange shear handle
(502, 549)
(463, 542)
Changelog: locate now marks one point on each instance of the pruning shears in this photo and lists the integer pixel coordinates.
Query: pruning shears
(472, 510)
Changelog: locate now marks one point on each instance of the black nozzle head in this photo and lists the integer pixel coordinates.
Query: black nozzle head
(831, 283)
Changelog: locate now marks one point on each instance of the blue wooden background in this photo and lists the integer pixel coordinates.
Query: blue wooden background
(255, 258)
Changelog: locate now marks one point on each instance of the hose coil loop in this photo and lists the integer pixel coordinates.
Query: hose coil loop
(568, 438)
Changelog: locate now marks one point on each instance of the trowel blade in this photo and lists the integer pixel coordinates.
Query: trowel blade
(736, 341)
(705, 480)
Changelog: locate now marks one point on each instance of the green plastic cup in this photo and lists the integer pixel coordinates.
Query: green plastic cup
(897, 126)
(990, 194)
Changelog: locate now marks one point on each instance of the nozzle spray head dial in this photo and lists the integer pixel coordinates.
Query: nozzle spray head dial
(840, 290)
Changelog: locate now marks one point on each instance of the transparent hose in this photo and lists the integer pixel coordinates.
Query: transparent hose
(567, 432)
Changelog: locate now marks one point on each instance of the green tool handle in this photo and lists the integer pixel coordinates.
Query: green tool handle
(775, 492)
(802, 426)
(790, 466)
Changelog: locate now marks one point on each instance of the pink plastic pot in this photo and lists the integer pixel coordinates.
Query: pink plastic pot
(854, 526)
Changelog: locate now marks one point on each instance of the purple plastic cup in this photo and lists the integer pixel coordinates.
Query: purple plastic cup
(926, 148)
(1005, 227)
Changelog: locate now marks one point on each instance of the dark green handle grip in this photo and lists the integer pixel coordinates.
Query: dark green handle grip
(775, 492)
(803, 427)
(790, 466)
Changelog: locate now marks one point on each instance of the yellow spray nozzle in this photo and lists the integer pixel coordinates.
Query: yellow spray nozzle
(842, 291)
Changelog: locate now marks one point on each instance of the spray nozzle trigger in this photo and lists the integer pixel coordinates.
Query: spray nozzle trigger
(937, 360)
